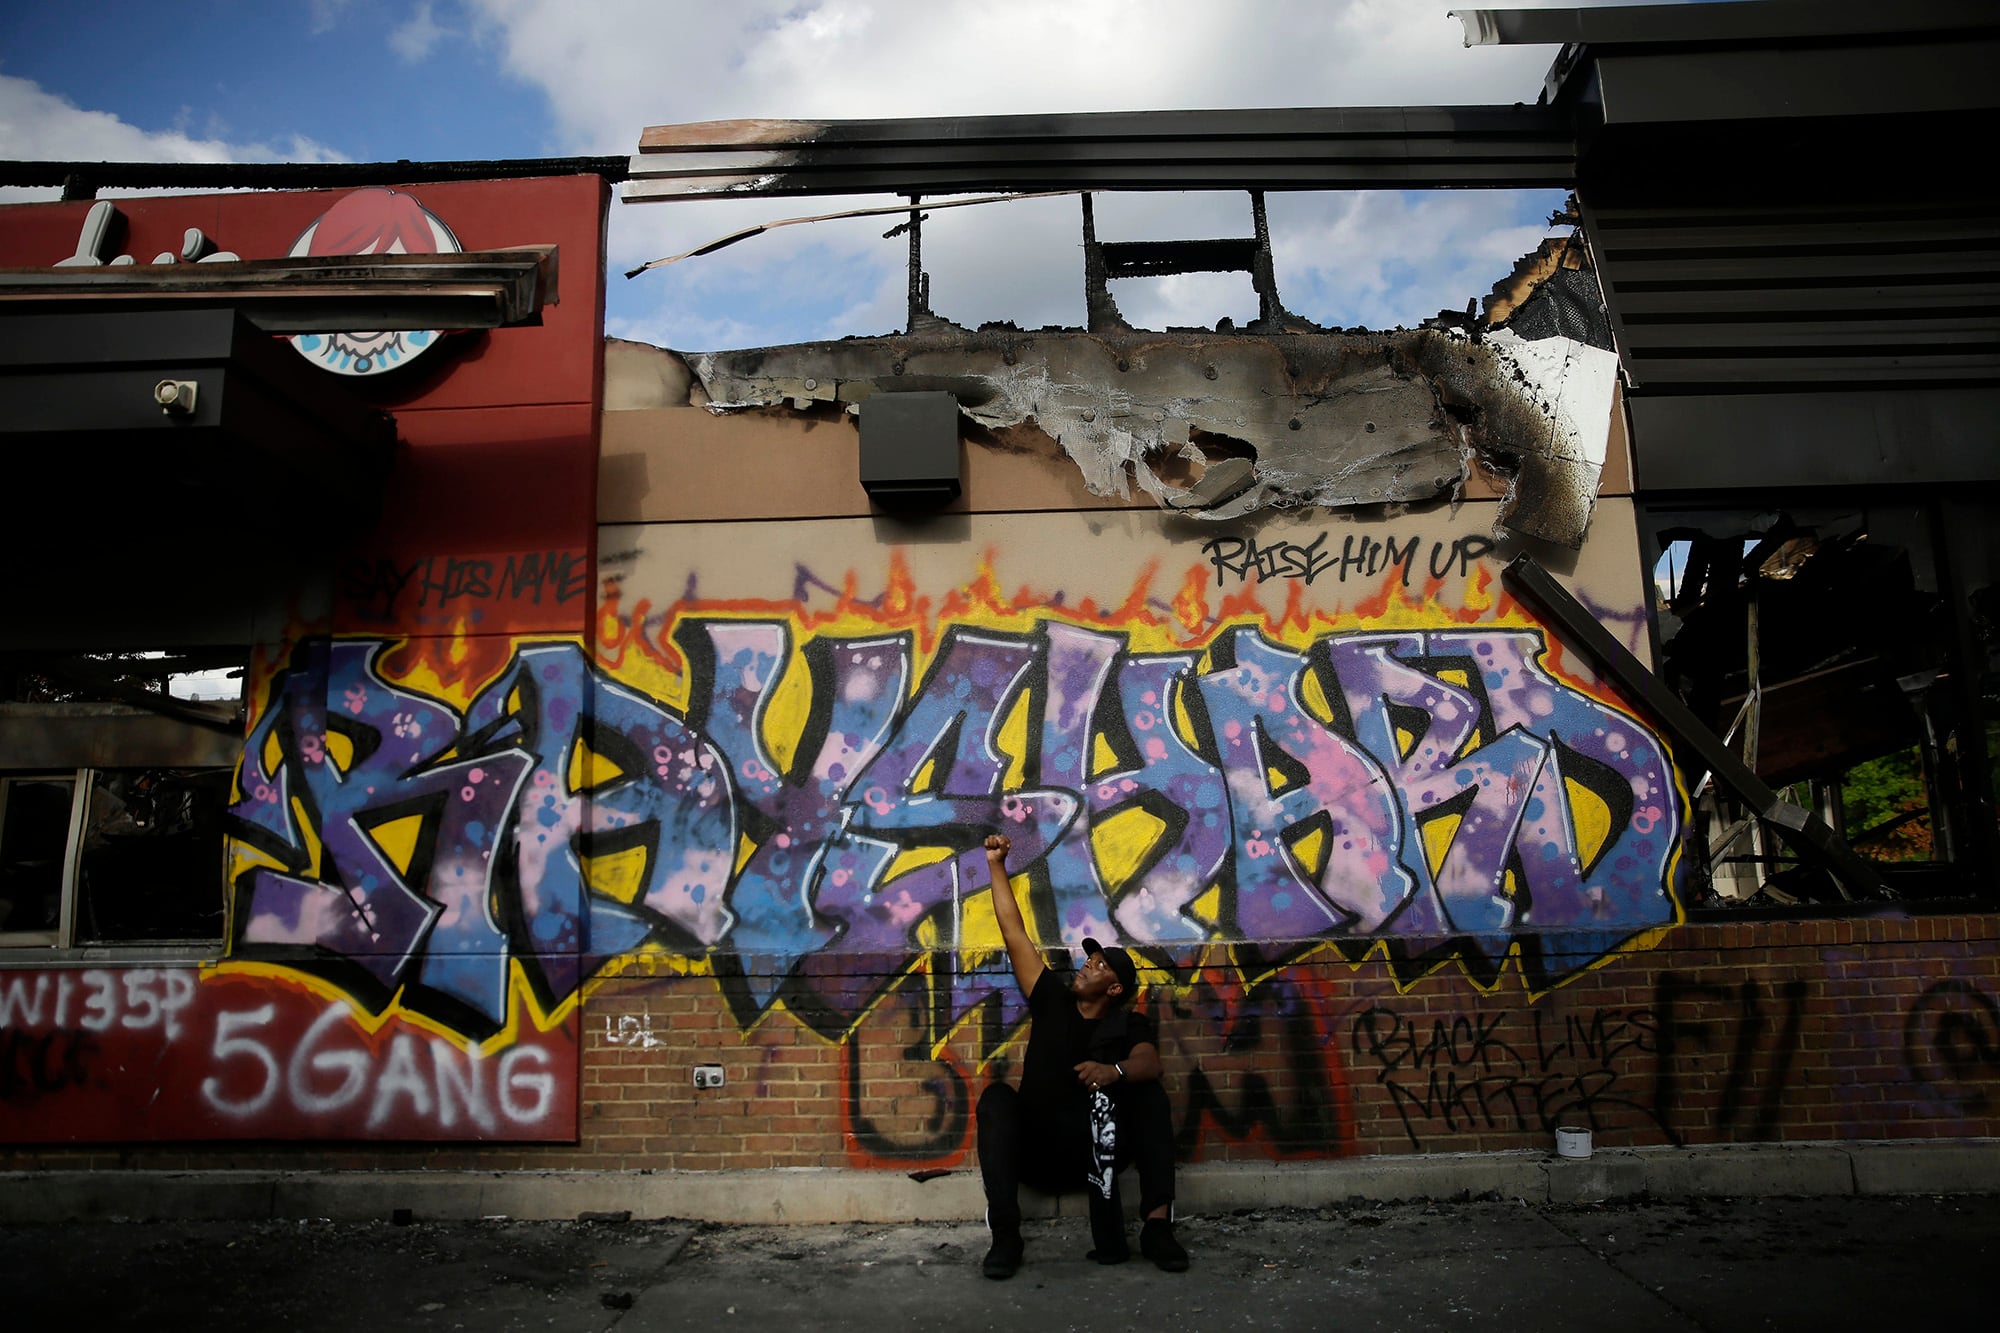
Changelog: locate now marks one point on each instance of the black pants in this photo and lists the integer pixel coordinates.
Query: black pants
(1052, 1153)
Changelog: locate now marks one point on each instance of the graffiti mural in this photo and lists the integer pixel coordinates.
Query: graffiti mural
(799, 793)
(1295, 828)
(439, 843)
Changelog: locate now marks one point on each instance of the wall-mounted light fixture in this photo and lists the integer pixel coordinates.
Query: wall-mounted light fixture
(909, 450)
(175, 397)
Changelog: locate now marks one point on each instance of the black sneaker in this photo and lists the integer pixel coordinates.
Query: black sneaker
(1110, 1254)
(1156, 1242)
(1004, 1259)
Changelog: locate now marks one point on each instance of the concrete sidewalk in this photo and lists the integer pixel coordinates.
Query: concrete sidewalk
(830, 1195)
(1681, 1266)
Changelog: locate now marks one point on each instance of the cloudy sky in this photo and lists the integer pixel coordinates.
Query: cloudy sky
(371, 80)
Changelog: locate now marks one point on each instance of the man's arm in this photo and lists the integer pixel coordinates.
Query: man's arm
(1141, 1064)
(1021, 951)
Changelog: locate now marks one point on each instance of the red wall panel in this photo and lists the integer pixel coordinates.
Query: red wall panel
(166, 1054)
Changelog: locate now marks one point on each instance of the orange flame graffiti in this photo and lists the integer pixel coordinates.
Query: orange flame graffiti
(637, 644)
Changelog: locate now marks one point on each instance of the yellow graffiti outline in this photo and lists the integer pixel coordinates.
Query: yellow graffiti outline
(1192, 628)
(521, 1002)
(241, 856)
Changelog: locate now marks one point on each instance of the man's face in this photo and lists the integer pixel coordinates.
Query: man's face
(1096, 978)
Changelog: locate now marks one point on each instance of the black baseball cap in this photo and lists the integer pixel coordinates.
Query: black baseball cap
(1118, 961)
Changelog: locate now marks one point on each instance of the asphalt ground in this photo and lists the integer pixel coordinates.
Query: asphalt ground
(1823, 1264)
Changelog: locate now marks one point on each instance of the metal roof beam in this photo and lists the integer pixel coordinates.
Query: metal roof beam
(1288, 149)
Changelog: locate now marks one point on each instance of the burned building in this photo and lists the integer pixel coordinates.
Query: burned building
(1576, 712)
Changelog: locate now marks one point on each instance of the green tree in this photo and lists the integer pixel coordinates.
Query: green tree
(1885, 789)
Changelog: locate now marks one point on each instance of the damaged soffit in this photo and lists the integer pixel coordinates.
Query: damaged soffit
(1327, 419)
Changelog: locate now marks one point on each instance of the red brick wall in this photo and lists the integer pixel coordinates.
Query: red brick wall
(1729, 1032)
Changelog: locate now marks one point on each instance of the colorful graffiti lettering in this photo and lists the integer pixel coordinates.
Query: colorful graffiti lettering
(1440, 792)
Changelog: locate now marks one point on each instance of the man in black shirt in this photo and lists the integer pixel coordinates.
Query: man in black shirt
(1090, 1100)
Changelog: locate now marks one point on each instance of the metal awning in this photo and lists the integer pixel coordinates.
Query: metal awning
(1758, 21)
(485, 289)
(81, 391)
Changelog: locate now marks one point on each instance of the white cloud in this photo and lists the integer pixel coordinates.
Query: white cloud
(607, 69)
(36, 125)
(324, 14)
(642, 62)
(1343, 258)
(414, 39)
(1382, 258)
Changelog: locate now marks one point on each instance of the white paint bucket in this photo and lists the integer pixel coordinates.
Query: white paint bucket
(1572, 1142)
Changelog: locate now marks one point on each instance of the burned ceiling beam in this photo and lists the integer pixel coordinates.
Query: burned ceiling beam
(1106, 260)
(1294, 149)
(1152, 259)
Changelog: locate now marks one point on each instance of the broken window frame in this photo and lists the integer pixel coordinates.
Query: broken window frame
(84, 845)
(1951, 718)
(14, 880)
(144, 866)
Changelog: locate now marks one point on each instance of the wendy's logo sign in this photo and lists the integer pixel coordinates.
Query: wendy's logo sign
(373, 221)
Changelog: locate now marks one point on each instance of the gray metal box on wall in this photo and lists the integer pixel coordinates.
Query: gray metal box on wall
(909, 450)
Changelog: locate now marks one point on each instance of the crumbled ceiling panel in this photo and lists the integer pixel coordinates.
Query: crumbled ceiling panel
(1328, 419)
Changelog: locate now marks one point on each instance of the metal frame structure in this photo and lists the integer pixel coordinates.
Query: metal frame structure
(1401, 148)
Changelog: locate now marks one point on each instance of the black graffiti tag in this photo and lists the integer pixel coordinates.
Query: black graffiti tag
(1360, 556)
(1951, 1044)
(381, 589)
(1749, 1032)
(1458, 1075)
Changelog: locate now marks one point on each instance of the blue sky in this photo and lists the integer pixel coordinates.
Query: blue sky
(369, 80)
